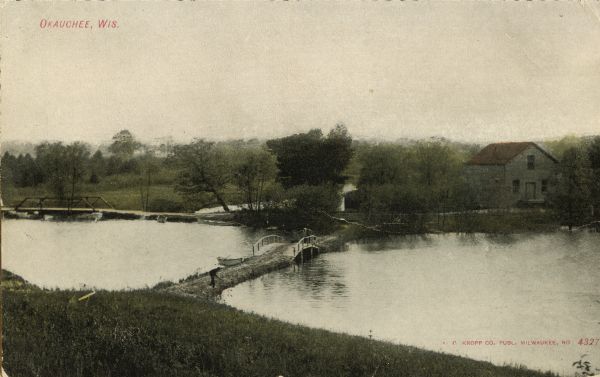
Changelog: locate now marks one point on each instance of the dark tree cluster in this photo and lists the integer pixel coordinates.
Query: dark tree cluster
(62, 168)
(312, 159)
(294, 176)
(406, 179)
(22, 170)
(576, 197)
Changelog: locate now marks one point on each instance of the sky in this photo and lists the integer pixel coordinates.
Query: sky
(470, 71)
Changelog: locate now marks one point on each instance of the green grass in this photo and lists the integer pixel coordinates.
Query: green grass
(123, 192)
(144, 333)
(118, 197)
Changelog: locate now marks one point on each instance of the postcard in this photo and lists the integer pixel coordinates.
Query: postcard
(298, 188)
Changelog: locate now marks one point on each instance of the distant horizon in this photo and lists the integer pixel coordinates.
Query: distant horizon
(472, 71)
(153, 141)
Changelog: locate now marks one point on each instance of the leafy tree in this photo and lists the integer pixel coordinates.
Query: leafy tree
(297, 157)
(594, 160)
(559, 147)
(76, 155)
(21, 171)
(383, 164)
(312, 199)
(337, 152)
(51, 158)
(438, 167)
(403, 179)
(7, 171)
(204, 167)
(63, 166)
(97, 167)
(311, 159)
(148, 164)
(25, 173)
(383, 169)
(571, 197)
(256, 167)
(124, 144)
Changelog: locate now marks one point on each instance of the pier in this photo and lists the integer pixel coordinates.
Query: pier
(275, 256)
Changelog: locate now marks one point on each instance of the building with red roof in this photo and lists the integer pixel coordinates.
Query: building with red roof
(510, 174)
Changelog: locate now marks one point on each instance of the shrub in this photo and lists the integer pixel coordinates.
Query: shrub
(165, 205)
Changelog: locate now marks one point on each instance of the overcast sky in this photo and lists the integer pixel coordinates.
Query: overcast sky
(475, 71)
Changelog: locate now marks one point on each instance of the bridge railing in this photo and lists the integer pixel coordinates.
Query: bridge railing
(304, 243)
(89, 201)
(271, 238)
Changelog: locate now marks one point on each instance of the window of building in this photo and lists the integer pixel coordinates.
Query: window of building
(516, 186)
(544, 185)
(531, 162)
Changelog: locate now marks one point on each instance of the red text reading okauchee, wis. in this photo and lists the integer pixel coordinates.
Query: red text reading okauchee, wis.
(78, 24)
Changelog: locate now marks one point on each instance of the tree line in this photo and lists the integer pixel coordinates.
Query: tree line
(576, 194)
(426, 177)
(259, 175)
(298, 176)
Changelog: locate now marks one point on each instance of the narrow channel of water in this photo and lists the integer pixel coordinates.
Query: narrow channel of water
(435, 290)
(116, 254)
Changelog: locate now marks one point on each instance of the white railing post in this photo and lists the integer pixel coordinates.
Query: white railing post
(266, 240)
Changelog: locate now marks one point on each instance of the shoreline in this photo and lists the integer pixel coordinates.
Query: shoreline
(152, 333)
(197, 289)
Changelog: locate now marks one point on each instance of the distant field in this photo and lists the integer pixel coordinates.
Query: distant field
(123, 192)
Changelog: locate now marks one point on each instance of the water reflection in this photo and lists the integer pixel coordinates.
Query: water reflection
(431, 290)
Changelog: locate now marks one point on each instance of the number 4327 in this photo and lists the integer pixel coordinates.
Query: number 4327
(588, 341)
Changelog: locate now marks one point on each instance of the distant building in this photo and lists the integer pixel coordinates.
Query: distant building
(510, 174)
(347, 201)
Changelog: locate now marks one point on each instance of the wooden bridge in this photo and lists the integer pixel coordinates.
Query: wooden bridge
(304, 248)
(77, 204)
(266, 240)
(39, 206)
(300, 251)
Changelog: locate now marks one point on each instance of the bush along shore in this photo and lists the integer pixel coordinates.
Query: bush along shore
(150, 333)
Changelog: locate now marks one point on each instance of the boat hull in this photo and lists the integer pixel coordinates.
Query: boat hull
(231, 261)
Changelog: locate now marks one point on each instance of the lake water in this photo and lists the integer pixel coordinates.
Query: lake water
(116, 254)
(435, 290)
(423, 291)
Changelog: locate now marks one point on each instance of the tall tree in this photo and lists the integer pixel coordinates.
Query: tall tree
(309, 158)
(382, 164)
(594, 159)
(438, 166)
(571, 197)
(7, 172)
(204, 167)
(336, 153)
(124, 144)
(51, 157)
(76, 156)
(97, 167)
(148, 164)
(63, 166)
(255, 168)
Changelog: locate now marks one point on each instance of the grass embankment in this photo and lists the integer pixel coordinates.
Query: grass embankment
(145, 333)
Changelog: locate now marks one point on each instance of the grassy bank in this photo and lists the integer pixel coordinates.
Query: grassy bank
(144, 333)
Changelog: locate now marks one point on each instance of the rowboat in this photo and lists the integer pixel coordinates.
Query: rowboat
(232, 261)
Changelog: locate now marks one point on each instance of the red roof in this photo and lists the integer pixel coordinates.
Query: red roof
(502, 153)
